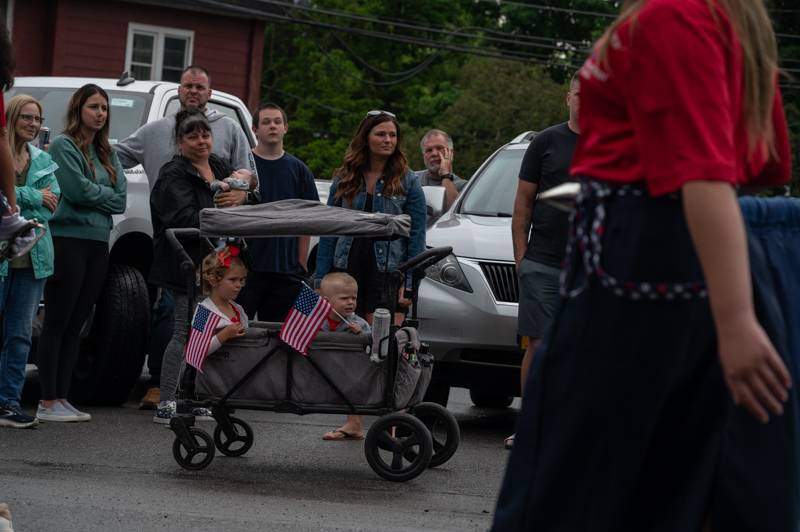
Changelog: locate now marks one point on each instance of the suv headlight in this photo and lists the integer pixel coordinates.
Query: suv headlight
(448, 272)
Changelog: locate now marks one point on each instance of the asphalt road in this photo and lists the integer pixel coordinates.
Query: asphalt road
(116, 473)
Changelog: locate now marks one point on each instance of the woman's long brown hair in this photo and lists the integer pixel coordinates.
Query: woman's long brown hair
(356, 162)
(760, 53)
(100, 141)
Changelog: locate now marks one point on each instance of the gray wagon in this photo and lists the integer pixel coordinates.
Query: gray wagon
(260, 372)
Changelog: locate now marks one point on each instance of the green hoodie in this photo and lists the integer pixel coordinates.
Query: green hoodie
(29, 199)
(87, 200)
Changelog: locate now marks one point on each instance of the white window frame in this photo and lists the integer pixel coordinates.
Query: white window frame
(160, 33)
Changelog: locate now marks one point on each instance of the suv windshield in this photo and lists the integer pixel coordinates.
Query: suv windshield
(496, 186)
(128, 109)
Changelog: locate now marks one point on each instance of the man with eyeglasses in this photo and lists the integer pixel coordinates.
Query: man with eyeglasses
(437, 152)
(152, 146)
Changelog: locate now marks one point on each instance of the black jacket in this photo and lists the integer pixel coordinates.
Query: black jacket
(177, 197)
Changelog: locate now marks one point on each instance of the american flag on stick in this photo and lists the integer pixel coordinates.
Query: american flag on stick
(304, 319)
(204, 325)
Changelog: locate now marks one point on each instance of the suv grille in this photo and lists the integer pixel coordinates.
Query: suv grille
(503, 280)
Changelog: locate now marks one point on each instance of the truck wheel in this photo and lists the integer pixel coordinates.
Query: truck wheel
(438, 392)
(484, 399)
(113, 353)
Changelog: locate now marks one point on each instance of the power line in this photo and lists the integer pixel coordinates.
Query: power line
(429, 43)
(571, 11)
(413, 71)
(551, 8)
(407, 25)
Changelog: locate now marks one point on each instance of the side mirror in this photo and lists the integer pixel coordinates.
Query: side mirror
(434, 202)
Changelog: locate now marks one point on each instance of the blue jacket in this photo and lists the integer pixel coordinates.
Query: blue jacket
(332, 252)
(29, 199)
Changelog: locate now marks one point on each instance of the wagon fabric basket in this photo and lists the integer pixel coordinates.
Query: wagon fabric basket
(288, 377)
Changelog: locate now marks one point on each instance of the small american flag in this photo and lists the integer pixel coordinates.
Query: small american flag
(304, 319)
(204, 325)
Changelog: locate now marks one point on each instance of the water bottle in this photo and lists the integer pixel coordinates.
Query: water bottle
(381, 320)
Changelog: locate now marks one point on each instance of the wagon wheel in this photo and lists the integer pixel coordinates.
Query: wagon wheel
(398, 447)
(238, 443)
(197, 457)
(444, 430)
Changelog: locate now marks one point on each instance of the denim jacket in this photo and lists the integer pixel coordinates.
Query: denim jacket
(332, 252)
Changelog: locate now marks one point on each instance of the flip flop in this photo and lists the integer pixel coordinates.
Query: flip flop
(338, 434)
(508, 443)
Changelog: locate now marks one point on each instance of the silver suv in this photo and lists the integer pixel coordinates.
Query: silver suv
(116, 338)
(468, 302)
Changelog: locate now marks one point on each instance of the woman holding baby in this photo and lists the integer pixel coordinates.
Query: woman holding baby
(185, 185)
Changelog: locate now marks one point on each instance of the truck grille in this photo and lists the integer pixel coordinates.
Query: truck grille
(503, 280)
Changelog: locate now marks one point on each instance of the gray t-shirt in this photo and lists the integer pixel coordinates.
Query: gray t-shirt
(153, 145)
(426, 179)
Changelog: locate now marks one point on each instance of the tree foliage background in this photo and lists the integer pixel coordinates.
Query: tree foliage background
(483, 70)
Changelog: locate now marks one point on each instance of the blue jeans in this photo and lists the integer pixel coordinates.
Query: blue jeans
(21, 294)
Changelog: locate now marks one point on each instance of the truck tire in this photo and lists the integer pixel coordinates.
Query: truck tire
(113, 353)
(438, 392)
(484, 399)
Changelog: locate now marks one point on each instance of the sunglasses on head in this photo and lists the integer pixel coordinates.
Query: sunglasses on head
(378, 112)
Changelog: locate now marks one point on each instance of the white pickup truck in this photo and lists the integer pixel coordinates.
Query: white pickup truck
(116, 337)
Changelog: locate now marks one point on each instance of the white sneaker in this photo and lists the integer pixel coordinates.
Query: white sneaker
(57, 413)
(82, 416)
(166, 410)
(201, 413)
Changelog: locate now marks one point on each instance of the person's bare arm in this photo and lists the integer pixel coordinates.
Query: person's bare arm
(754, 372)
(303, 243)
(450, 192)
(7, 171)
(521, 218)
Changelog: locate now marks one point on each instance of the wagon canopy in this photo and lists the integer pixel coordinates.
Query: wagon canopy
(295, 217)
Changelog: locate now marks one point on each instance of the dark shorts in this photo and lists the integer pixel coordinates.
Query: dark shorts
(376, 288)
(538, 295)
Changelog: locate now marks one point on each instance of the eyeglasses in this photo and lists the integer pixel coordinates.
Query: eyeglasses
(378, 112)
(32, 118)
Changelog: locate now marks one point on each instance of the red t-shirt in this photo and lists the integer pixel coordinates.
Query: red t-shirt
(668, 108)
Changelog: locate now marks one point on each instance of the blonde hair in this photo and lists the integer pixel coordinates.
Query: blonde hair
(13, 110)
(336, 281)
(756, 36)
(213, 268)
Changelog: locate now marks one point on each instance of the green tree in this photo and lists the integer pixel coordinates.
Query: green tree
(500, 100)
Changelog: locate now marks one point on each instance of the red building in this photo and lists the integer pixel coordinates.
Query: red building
(151, 40)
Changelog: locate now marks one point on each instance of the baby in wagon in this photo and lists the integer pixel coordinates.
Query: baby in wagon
(341, 291)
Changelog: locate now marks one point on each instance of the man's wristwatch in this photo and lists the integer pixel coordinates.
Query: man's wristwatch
(446, 176)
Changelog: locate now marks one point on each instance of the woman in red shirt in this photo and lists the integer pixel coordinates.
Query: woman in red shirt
(629, 418)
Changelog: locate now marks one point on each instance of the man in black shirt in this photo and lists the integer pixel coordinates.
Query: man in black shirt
(539, 258)
(277, 265)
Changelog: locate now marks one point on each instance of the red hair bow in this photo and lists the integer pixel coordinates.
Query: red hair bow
(227, 253)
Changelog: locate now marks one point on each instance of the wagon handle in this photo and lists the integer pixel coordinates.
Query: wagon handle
(173, 237)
